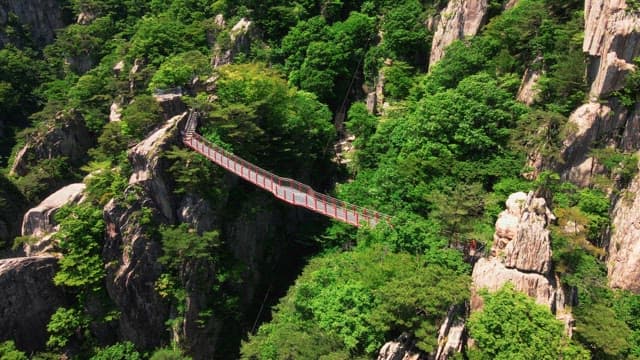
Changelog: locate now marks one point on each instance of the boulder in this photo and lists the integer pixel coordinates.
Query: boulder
(28, 298)
(460, 19)
(40, 222)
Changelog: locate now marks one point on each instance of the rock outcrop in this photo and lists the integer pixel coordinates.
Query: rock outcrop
(612, 41)
(403, 348)
(239, 40)
(39, 221)
(66, 136)
(460, 19)
(624, 247)
(41, 17)
(130, 249)
(528, 92)
(597, 124)
(521, 254)
(452, 334)
(28, 298)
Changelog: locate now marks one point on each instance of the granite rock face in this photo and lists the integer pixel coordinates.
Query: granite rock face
(521, 238)
(28, 298)
(624, 247)
(66, 136)
(593, 125)
(612, 40)
(239, 40)
(41, 17)
(403, 348)
(131, 252)
(460, 19)
(521, 254)
(39, 221)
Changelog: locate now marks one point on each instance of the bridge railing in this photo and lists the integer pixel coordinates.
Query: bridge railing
(351, 214)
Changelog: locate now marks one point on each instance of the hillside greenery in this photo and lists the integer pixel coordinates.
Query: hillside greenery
(441, 158)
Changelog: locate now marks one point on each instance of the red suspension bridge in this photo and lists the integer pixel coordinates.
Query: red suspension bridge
(288, 190)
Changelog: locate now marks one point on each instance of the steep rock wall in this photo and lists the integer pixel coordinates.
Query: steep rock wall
(66, 136)
(28, 298)
(597, 124)
(41, 17)
(624, 247)
(130, 249)
(612, 41)
(460, 19)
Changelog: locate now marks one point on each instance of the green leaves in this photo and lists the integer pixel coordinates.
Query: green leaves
(79, 240)
(64, 325)
(180, 245)
(178, 70)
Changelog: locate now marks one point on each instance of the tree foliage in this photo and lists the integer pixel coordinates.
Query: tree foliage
(351, 302)
(511, 326)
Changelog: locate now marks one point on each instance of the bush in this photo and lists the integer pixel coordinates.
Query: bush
(8, 351)
(119, 351)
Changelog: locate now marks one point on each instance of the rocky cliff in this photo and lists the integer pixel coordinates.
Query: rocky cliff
(612, 41)
(39, 222)
(624, 247)
(239, 40)
(40, 18)
(65, 136)
(130, 249)
(28, 297)
(460, 19)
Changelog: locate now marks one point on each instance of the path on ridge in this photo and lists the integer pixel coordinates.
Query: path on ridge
(285, 189)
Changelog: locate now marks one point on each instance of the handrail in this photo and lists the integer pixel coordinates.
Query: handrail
(288, 190)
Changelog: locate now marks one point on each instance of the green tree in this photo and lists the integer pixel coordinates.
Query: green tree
(79, 239)
(350, 302)
(168, 354)
(66, 324)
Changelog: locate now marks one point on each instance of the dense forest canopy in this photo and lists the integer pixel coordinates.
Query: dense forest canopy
(448, 147)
